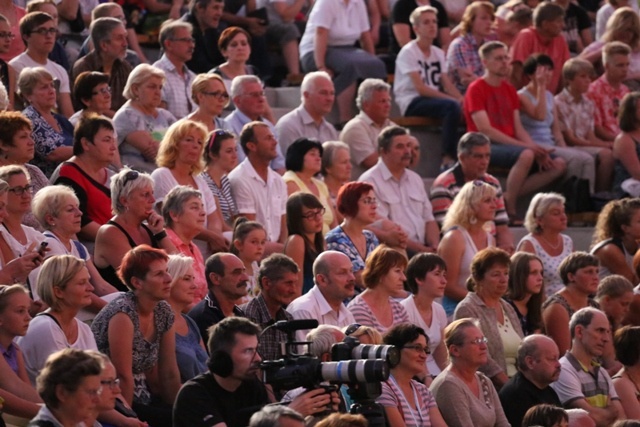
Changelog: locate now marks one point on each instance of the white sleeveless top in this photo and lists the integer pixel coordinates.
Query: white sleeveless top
(552, 281)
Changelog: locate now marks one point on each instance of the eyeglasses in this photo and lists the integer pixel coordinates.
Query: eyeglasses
(115, 383)
(352, 328)
(130, 176)
(185, 40)
(418, 348)
(370, 201)
(19, 191)
(7, 35)
(103, 91)
(255, 94)
(479, 341)
(93, 393)
(314, 214)
(219, 95)
(46, 31)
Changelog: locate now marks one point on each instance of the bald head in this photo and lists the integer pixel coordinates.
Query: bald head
(333, 274)
(537, 359)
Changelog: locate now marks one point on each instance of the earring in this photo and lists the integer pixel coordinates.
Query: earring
(473, 220)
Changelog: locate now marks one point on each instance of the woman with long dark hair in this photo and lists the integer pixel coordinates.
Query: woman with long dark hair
(305, 241)
(526, 291)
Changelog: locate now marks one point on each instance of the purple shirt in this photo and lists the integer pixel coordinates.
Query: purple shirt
(10, 356)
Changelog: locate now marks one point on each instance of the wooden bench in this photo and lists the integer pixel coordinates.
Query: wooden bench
(416, 121)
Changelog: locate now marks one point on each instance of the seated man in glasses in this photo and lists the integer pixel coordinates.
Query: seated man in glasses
(110, 47)
(39, 31)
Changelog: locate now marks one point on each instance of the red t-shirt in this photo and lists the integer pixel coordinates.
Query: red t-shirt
(498, 101)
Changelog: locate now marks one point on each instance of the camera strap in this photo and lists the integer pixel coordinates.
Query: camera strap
(415, 399)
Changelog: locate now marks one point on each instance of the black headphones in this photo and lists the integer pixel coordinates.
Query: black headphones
(220, 363)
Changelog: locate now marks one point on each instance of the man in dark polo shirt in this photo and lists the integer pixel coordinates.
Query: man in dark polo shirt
(538, 366)
(227, 282)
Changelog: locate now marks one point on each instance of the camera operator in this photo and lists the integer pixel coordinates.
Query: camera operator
(230, 392)
(278, 280)
(334, 282)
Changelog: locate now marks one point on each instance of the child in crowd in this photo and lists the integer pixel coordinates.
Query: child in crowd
(249, 239)
(576, 118)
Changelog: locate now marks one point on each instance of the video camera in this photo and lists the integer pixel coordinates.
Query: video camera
(361, 367)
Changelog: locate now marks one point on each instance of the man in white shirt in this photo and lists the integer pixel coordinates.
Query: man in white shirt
(178, 45)
(308, 120)
(249, 98)
(261, 193)
(401, 195)
(38, 30)
(361, 132)
(421, 84)
(335, 282)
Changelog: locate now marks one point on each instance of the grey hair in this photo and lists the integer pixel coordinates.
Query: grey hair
(48, 201)
(322, 338)
(539, 206)
(4, 186)
(582, 317)
(139, 75)
(527, 348)
(29, 77)
(368, 87)
(174, 201)
(269, 416)
(309, 82)
(329, 149)
(168, 29)
(101, 30)
(237, 84)
(470, 140)
(121, 189)
(576, 414)
(103, 10)
(177, 266)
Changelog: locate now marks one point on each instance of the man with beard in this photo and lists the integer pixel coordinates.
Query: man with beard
(227, 282)
(278, 280)
(400, 191)
(538, 366)
(178, 43)
(583, 383)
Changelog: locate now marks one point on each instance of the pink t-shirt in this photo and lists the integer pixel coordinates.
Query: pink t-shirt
(17, 45)
(607, 100)
(529, 42)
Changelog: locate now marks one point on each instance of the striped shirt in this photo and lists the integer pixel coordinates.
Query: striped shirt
(228, 206)
(364, 315)
(392, 397)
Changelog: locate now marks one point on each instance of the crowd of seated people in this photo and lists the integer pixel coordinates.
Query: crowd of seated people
(158, 217)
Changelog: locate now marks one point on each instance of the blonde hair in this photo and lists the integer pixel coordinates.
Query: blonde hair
(462, 210)
(48, 201)
(57, 271)
(471, 13)
(177, 266)
(539, 206)
(624, 20)
(168, 151)
(138, 76)
(121, 186)
(199, 85)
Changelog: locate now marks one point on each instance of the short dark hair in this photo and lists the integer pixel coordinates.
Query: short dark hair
(470, 140)
(31, 21)
(87, 128)
(248, 134)
(627, 112)
(419, 266)
(385, 138)
(215, 142)
(544, 415)
(222, 335)
(534, 61)
(275, 266)
(294, 159)
(214, 264)
(348, 196)
(574, 262)
(200, 3)
(402, 334)
(486, 49)
(84, 85)
(547, 11)
(625, 342)
(487, 258)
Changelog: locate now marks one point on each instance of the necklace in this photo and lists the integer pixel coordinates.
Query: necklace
(556, 246)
